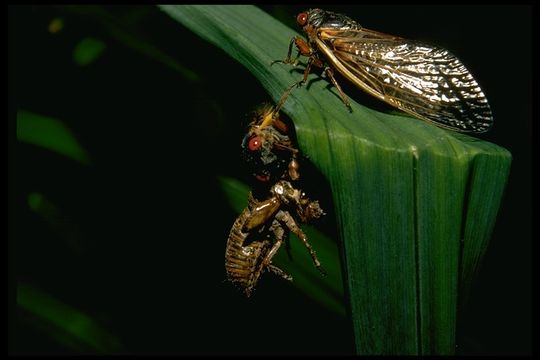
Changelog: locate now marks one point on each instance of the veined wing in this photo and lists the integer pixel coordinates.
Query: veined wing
(423, 80)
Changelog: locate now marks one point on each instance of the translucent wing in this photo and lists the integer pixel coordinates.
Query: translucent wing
(423, 80)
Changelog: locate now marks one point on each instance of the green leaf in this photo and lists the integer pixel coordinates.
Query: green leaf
(415, 204)
(87, 51)
(327, 290)
(65, 324)
(50, 134)
(125, 32)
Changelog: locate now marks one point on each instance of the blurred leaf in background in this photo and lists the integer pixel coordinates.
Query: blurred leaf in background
(88, 50)
(64, 323)
(51, 134)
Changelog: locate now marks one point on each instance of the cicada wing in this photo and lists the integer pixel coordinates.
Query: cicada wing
(423, 80)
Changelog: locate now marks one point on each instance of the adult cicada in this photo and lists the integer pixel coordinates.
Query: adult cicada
(425, 81)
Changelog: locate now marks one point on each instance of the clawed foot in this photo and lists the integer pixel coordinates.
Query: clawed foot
(278, 271)
(286, 61)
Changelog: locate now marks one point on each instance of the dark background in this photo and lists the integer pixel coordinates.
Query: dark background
(149, 217)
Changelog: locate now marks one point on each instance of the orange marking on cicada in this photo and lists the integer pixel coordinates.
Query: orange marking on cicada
(302, 46)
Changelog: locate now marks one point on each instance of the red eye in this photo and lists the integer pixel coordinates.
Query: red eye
(255, 143)
(301, 19)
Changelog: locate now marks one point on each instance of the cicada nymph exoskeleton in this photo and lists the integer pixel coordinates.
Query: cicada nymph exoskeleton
(425, 81)
(260, 231)
(276, 209)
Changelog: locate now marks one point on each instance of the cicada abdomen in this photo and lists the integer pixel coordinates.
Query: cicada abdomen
(243, 261)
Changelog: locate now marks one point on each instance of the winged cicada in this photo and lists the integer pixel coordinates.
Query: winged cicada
(423, 80)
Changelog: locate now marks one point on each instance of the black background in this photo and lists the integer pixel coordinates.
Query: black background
(151, 220)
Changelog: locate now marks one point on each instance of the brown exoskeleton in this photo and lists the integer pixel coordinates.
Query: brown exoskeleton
(246, 261)
(264, 225)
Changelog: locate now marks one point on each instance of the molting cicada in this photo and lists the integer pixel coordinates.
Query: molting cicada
(423, 80)
(267, 148)
(275, 209)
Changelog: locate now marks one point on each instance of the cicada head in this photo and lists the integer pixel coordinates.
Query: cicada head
(267, 148)
(314, 19)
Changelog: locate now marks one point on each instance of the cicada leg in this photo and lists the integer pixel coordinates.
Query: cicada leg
(270, 120)
(303, 49)
(288, 220)
(279, 234)
(279, 272)
(330, 73)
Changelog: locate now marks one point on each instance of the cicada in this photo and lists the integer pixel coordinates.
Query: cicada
(262, 228)
(277, 205)
(423, 80)
(267, 148)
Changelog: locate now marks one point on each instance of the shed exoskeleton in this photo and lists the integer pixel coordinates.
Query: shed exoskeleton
(261, 229)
